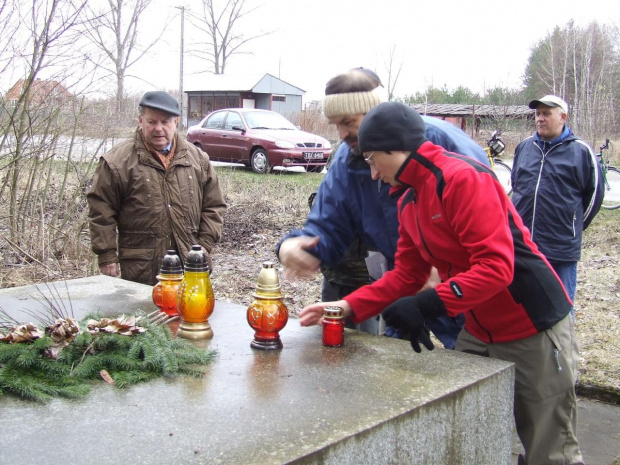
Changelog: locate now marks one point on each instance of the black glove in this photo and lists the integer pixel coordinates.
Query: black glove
(409, 313)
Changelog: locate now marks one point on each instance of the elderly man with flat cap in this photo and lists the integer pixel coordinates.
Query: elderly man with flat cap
(557, 190)
(152, 193)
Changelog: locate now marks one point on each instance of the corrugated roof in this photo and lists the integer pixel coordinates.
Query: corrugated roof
(230, 82)
(483, 111)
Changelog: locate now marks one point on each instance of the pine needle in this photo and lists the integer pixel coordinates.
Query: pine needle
(26, 372)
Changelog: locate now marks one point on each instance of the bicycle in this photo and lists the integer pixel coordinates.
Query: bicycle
(611, 180)
(494, 147)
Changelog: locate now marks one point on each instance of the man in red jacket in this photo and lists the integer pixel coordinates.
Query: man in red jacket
(456, 217)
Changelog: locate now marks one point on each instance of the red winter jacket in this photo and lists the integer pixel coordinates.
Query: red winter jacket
(457, 218)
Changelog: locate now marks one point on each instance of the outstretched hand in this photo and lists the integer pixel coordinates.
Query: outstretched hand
(297, 260)
(313, 314)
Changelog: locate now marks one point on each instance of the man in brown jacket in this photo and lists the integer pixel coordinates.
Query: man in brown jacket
(152, 193)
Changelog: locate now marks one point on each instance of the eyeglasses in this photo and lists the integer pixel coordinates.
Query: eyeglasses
(368, 159)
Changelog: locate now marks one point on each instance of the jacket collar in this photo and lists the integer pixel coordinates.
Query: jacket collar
(566, 133)
(419, 165)
(148, 156)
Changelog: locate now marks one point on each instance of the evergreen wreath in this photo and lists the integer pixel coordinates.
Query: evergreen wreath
(64, 361)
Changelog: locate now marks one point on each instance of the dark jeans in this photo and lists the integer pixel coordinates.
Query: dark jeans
(567, 272)
(445, 328)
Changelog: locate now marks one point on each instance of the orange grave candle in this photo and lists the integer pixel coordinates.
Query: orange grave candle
(195, 300)
(267, 314)
(165, 292)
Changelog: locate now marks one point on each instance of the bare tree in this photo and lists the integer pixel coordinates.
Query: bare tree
(393, 73)
(221, 27)
(581, 65)
(114, 30)
(45, 211)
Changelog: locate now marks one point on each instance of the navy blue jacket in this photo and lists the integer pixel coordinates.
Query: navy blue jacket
(349, 203)
(557, 189)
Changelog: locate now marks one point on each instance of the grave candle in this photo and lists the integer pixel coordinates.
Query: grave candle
(196, 300)
(333, 327)
(165, 292)
(267, 314)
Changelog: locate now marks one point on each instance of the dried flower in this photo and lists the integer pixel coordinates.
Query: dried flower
(23, 333)
(125, 326)
(63, 330)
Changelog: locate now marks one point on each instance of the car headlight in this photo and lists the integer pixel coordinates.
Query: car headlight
(327, 145)
(284, 144)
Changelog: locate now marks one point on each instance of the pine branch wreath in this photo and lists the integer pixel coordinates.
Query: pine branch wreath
(29, 370)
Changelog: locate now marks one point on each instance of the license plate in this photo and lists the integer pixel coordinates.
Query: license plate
(312, 155)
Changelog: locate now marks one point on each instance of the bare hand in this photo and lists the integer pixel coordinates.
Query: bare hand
(111, 269)
(433, 280)
(294, 255)
(313, 314)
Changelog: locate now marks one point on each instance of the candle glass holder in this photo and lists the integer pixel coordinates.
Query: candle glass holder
(196, 301)
(166, 291)
(333, 327)
(267, 314)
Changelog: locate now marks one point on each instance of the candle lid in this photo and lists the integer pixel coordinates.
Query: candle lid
(171, 263)
(333, 312)
(196, 259)
(268, 284)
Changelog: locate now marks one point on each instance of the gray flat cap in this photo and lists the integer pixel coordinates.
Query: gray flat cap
(160, 100)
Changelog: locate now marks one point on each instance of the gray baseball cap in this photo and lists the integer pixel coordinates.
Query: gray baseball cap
(160, 100)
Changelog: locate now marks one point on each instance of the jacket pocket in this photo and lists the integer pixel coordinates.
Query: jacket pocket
(137, 265)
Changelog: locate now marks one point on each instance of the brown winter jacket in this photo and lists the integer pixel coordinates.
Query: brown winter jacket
(152, 208)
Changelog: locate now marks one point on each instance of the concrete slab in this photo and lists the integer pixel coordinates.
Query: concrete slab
(598, 432)
(372, 401)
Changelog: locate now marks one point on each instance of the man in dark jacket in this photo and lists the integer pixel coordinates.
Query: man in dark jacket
(557, 188)
(152, 193)
(455, 216)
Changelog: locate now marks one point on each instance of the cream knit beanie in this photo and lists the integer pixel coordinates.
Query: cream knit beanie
(351, 103)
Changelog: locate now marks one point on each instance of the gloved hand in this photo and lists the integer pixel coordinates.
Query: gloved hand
(409, 313)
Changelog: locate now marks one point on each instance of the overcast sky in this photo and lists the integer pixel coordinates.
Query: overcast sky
(477, 43)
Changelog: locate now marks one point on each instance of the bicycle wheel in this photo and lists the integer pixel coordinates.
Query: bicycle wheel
(502, 171)
(611, 201)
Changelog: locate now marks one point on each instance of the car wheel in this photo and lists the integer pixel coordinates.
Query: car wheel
(314, 169)
(260, 162)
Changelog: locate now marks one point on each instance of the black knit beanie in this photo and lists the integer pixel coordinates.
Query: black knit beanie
(391, 126)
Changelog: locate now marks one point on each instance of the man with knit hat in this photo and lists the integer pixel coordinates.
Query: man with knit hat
(455, 216)
(352, 213)
(152, 193)
(556, 188)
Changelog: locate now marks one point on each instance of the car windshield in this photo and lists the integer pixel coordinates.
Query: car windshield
(267, 120)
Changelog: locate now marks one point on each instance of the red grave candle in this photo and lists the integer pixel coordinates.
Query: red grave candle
(333, 327)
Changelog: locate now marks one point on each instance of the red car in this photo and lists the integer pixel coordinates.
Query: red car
(260, 139)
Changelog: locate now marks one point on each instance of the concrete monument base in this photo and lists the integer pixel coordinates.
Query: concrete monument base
(372, 401)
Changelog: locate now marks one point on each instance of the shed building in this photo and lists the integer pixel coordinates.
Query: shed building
(210, 92)
(459, 114)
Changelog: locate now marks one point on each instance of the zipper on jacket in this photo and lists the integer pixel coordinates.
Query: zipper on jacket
(422, 237)
(574, 221)
(542, 164)
(473, 314)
